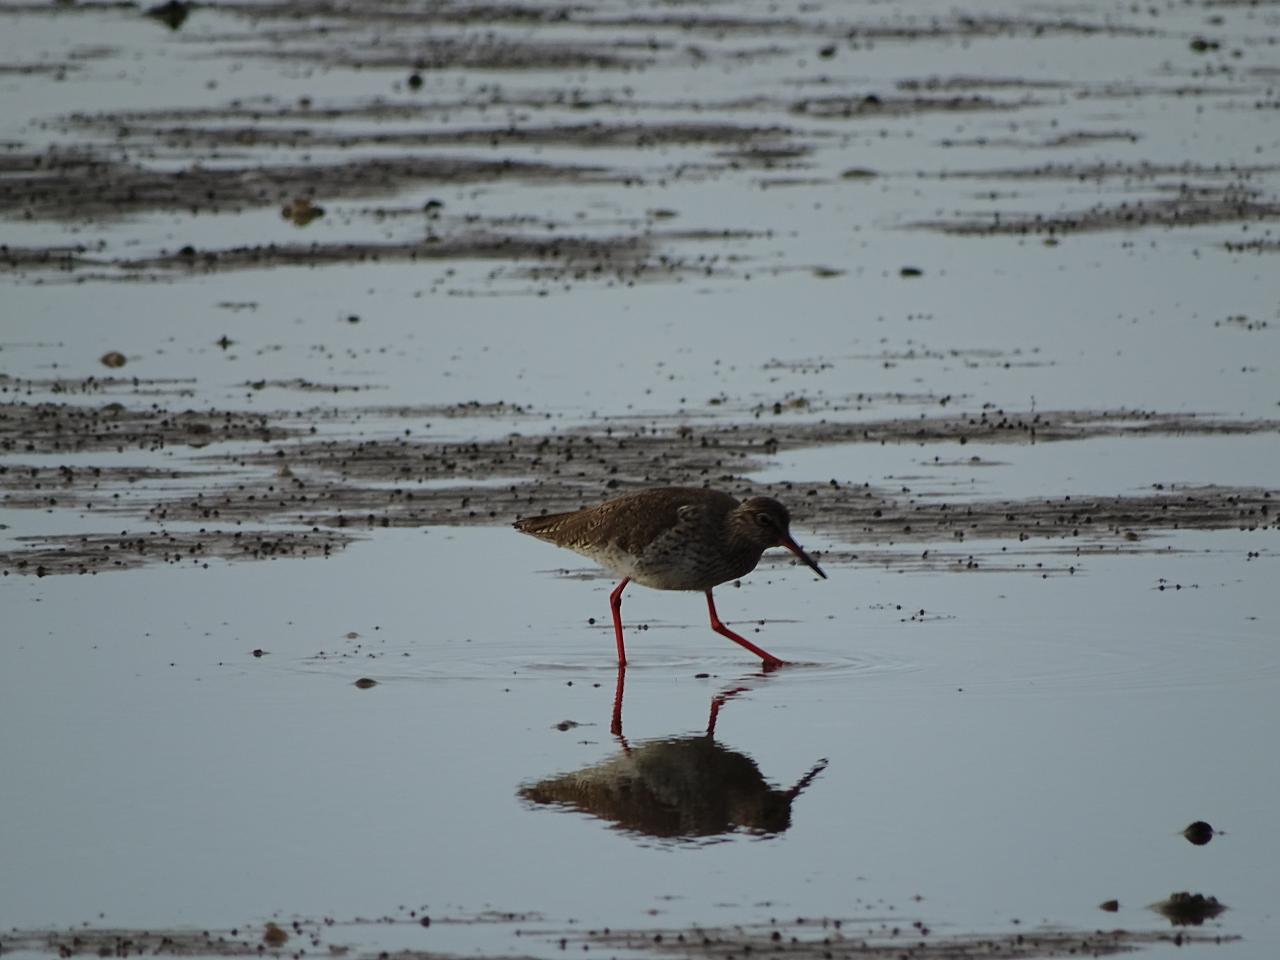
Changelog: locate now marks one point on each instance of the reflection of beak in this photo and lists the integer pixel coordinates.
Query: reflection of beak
(807, 779)
(809, 561)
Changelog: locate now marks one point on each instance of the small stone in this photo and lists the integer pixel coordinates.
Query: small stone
(1198, 833)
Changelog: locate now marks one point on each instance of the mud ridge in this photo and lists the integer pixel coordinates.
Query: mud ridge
(85, 185)
(823, 939)
(1182, 205)
(594, 135)
(94, 553)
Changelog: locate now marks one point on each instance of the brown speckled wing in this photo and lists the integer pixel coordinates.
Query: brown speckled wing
(630, 522)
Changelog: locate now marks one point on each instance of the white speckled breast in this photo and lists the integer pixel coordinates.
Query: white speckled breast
(671, 561)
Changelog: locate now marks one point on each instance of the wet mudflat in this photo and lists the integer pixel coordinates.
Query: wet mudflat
(303, 306)
(333, 489)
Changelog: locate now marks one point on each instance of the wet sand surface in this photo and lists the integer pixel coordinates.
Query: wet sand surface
(305, 304)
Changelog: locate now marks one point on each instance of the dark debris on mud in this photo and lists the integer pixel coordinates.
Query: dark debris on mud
(109, 942)
(623, 259)
(305, 473)
(591, 135)
(874, 105)
(93, 553)
(42, 428)
(1168, 205)
(12, 387)
(825, 939)
(84, 184)
(818, 938)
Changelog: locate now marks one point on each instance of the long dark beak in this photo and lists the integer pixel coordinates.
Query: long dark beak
(809, 561)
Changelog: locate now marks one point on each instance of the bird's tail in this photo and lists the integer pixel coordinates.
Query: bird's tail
(543, 527)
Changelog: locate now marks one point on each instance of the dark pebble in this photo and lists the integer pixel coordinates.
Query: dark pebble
(1198, 833)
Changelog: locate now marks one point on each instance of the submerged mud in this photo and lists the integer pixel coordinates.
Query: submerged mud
(302, 484)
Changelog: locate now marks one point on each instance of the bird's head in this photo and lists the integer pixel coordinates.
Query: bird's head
(765, 521)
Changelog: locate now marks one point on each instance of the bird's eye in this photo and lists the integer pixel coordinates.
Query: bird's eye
(764, 519)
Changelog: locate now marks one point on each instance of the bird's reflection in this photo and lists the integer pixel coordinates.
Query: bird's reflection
(685, 787)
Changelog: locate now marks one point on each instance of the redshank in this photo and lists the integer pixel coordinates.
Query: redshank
(674, 538)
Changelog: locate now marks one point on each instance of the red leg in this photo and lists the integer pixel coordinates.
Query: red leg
(615, 604)
(770, 661)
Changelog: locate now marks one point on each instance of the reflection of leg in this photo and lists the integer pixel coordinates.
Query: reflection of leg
(770, 661)
(615, 604)
(715, 712)
(616, 726)
(719, 701)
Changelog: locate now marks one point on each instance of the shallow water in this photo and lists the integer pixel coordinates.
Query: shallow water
(1008, 741)
(1050, 737)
